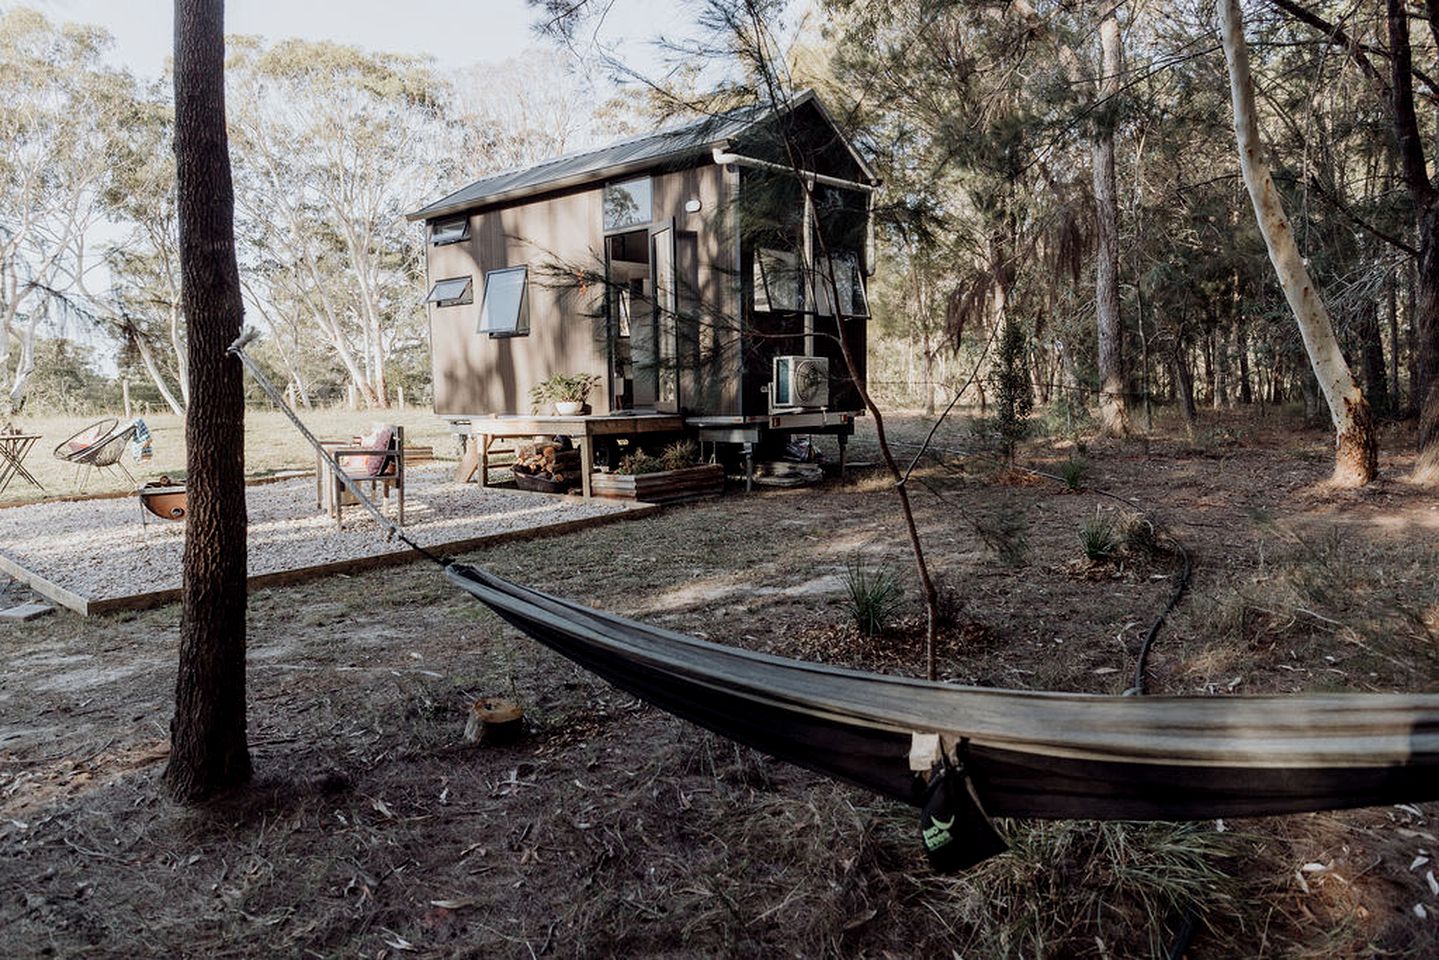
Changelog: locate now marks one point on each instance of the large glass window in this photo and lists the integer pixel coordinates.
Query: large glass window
(628, 204)
(776, 280)
(451, 230)
(451, 292)
(505, 309)
(848, 281)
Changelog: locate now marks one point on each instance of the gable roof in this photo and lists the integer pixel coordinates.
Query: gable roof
(693, 139)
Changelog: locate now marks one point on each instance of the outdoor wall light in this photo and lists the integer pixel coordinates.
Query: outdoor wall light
(692, 206)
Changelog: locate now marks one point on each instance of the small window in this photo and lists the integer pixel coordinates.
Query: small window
(505, 310)
(451, 292)
(776, 280)
(452, 230)
(628, 204)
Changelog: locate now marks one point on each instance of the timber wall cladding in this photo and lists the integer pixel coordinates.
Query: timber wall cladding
(558, 238)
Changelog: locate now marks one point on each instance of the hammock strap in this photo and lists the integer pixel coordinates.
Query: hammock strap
(393, 529)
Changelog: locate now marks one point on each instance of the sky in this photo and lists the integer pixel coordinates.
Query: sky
(456, 33)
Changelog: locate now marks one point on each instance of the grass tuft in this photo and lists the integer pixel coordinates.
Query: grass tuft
(1099, 535)
(874, 596)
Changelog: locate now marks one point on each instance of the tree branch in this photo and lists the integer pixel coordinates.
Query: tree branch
(1401, 104)
(1359, 51)
(1329, 198)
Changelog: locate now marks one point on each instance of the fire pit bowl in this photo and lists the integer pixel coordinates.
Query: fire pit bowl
(165, 499)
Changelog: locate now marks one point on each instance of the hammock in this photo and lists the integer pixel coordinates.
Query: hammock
(967, 752)
(1028, 754)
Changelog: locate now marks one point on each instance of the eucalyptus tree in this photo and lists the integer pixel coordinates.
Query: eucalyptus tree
(144, 302)
(1355, 458)
(60, 107)
(209, 750)
(333, 146)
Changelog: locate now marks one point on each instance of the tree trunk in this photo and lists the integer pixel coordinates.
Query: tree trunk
(1425, 346)
(1412, 334)
(1355, 447)
(1184, 385)
(208, 748)
(153, 369)
(1241, 343)
(929, 405)
(1206, 351)
(1371, 350)
(1113, 415)
(15, 399)
(1392, 284)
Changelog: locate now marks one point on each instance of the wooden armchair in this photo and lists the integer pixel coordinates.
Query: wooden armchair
(376, 461)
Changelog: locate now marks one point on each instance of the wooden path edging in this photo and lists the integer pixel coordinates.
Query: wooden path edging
(91, 607)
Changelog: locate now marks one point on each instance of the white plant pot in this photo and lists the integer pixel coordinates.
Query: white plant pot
(568, 408)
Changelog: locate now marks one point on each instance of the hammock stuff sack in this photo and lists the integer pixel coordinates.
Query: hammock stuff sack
(962, 753)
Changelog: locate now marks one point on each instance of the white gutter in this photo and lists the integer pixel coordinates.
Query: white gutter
(723, 157)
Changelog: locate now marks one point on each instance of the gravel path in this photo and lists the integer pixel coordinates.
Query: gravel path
(99, 548)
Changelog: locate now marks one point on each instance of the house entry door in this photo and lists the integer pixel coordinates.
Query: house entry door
(666, 307)
(630, 295)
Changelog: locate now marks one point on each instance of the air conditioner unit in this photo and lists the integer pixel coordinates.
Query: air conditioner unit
(800, 382)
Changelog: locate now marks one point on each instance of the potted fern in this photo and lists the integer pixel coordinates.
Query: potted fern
(566, 391)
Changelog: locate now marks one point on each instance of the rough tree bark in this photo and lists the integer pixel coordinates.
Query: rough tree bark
(1371, 346)
(208, 748)
(1356, 450)
(1113, 413)
(1425, 345)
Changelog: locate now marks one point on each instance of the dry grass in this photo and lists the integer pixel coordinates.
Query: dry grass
(272, 444)
(614, 830)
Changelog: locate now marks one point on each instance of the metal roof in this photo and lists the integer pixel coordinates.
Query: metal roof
(625, 156)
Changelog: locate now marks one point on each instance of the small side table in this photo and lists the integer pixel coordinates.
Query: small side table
(14, 448)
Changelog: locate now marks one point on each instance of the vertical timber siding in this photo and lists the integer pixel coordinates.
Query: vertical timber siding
(556, 236)
(559, 239)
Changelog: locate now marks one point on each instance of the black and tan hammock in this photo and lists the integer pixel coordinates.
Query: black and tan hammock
(1029, 754)
(1020, 753)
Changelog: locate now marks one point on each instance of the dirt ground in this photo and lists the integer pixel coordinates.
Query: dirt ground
(614, 830)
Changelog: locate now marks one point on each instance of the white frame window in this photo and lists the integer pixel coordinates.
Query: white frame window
(505, 307)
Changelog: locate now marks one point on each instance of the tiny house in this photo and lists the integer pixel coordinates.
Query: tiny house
(705, 272)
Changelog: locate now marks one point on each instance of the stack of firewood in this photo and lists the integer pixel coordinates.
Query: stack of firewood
(547, 461)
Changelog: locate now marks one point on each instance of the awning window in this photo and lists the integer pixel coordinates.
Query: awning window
(451, 230)
(776, 280)
(451, 292)
(505, 309)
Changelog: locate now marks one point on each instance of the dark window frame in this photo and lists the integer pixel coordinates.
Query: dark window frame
(438, 235)
(646, 216)
(466, 293)
(521, 324)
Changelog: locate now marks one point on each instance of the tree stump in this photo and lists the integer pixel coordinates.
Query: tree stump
(493, 721)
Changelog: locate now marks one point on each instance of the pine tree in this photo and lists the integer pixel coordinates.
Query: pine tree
(1014, 399)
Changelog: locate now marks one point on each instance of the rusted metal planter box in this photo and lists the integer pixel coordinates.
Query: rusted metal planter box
(666, 486)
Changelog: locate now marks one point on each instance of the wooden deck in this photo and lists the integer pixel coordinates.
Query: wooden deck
(582, 430)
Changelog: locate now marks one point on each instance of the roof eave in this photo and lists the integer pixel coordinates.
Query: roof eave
(442, 208)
